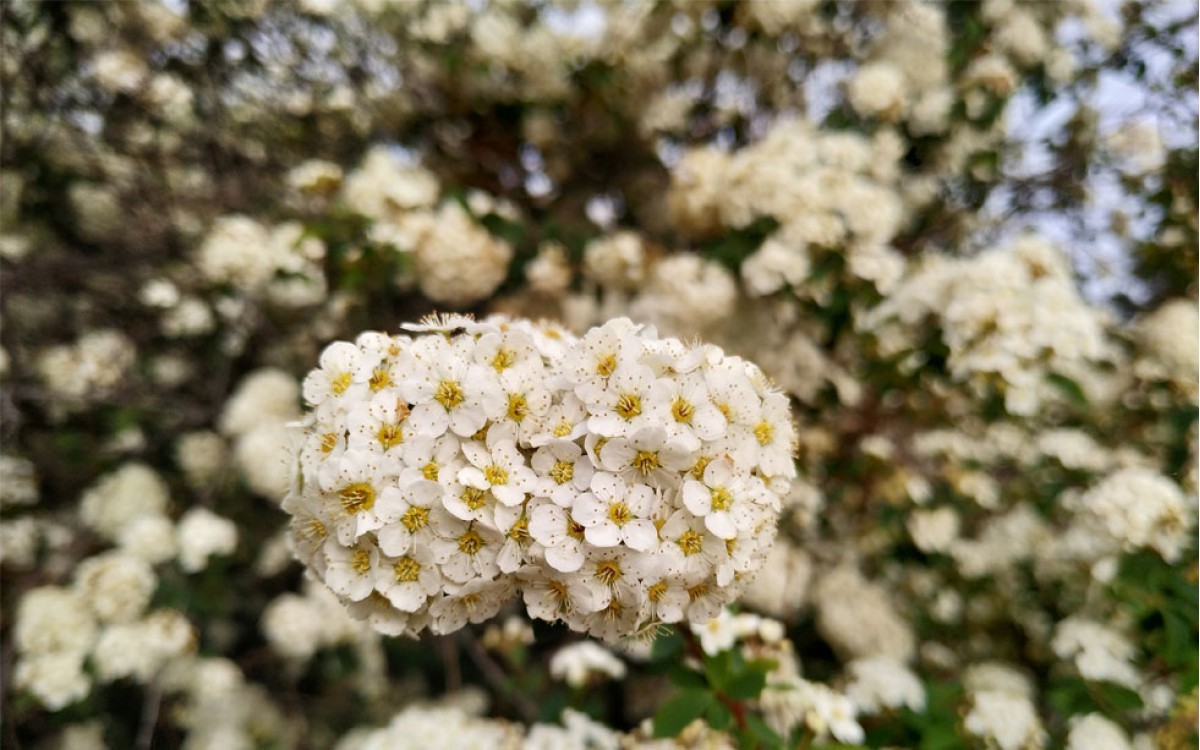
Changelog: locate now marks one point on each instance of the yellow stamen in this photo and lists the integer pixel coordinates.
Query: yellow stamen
(473, 497)
(430, 471)
(328, 442)
(415, 519)
(504, 359)
(496, 474)
(690, 542)
(645, 461)
(357, 497)
(341, 383)
(562, 472)
(407, 570)
(619, 513)
(470, 542)
(449, 394)
(721, 498)
(656, 592)
(682, 410)
(563, 428)
(629, 405)
(389, 435)
(518, 407)
(764, 432)
(608, 572)
(360, 561)
(606, 364)
(380, 379)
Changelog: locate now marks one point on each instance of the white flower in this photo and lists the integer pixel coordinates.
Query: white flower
(499, 468)
(410, 579)
(623, 403)
(411, 514)
(57, 679)
(450, 392)
(474, 602)
(564, 472)
(880, 682)
(577, 663)
(717, 634)
(1008, 721)
(342, 367)
(561, 536)
(615, 512)
(723, 499)
(646, 455)
(355, 479)
(1094, 732)
(351, 570)
(202, 534)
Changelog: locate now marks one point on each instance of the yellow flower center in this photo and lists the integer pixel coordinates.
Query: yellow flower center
(496, 474)
(619, 513)
(340, 383)
(389, 435)
(357, 497)
(360, 561)
(645, 461)
(449, 394)
(518, 407)
(606, 364)
(415, 519)
(473, 497)
(574, 528)
(697, 591)
(656, 592)
(407, 570)
(470, 542)
(328, 442)
(562, 472)
(682, 410)
(481, 434)
(699, 467)
(563, 428)
(721, 498)
(504, 359)
(690, 542)
(559, 589)
(608, 572)
(380, 379)
(723, 408)
(629, 405)
(730, 545)
(519, 532)
(314, 530)
(764, 432)
(430, 471)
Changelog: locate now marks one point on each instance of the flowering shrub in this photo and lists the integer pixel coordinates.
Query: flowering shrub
(616, 481)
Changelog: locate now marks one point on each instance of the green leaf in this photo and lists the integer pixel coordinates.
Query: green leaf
(765, 734)
(683, 709)
(746, 685)
(718, 715)
(666, 647)
(684, 678)
(720, 668)
(1072, 390)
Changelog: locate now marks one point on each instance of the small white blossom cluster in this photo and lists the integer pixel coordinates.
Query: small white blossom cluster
(1012, 314)
(617, 481)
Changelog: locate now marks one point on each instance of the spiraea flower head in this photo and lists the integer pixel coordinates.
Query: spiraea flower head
(614, 481)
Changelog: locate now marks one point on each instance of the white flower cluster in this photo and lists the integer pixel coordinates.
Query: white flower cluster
(617, 481)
